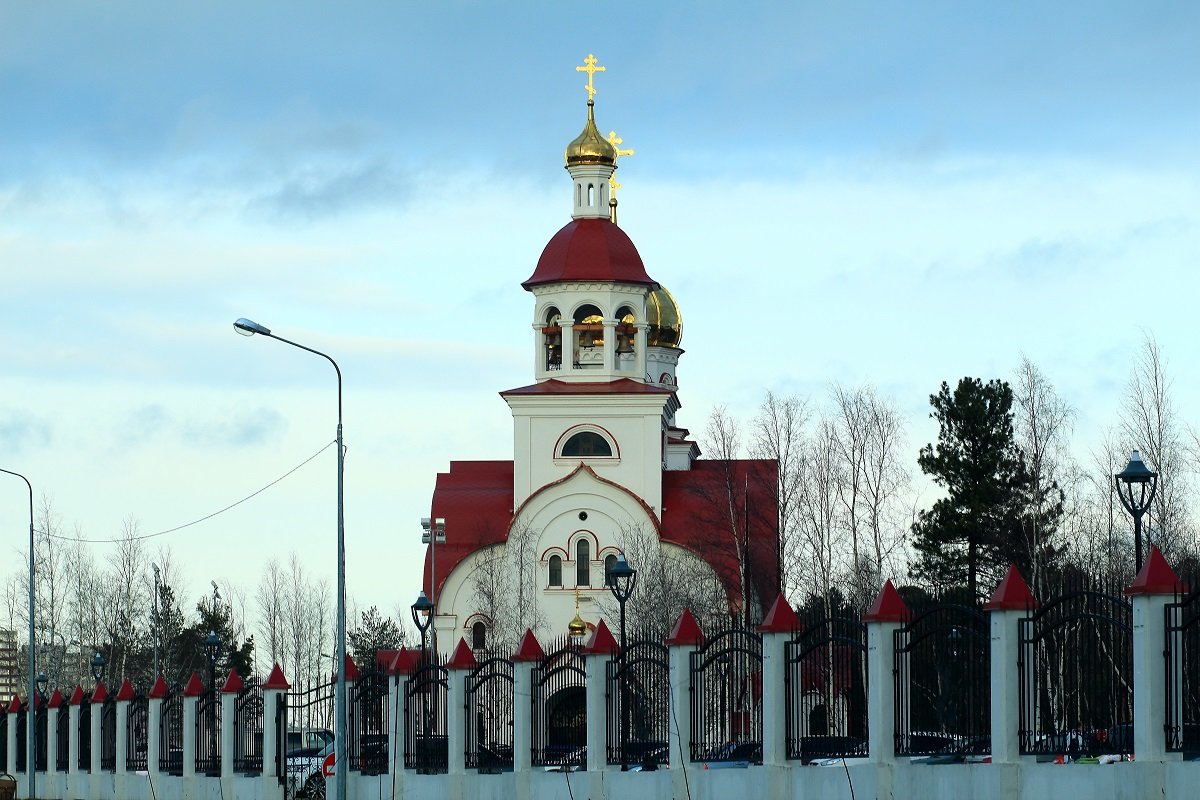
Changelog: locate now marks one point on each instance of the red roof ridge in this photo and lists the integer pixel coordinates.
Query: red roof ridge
(1155, 577)
(529, 649)
(276, 680)
(126, 691)
(463, 657)
(195, 686)
(616, 386)
(601, 641)
(686, 631)
(160, 689)
(1012, 593)
(234, 683)
(888, 606)
(780, 618)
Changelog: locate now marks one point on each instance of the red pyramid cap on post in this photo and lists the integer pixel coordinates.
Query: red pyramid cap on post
(780, 618)
(1156, 576)
(15, 705)
(686, 631)
(405, 662)
(234, 683)
(530, 649)
(601, 641)
(77, 696)
(276, 680)
(195, 686)
(352, 673)
(56, 699)
(462, 657)
(126, 690)
(160, 689)
(1012, 593)
(99, 694)
(889, 606)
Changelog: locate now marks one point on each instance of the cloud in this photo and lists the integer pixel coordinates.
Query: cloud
(319, 192)
(243, 429)
(19, 429)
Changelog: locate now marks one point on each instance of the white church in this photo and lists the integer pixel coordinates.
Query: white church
(597, 453)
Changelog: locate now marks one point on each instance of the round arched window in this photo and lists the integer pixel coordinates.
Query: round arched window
(478, 636)
(587, 444)
(555, 571)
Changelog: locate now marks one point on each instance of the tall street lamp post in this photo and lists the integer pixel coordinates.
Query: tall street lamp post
(1136, 500)
(422, 616)
(157, 621)
(433, 534)
(621, 580)
(249, 328)
(30, 718)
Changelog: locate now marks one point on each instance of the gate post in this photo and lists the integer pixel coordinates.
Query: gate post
(883, 619)
(528, 654)
(191, 698)
(73, 788)
(682, 642)
(124, 695)
(456, 713)
(403, 665)
(95, 720)
(10, 720)
(1009, 604)
(154, 704)
(56, 701)
(599, 649)
(1152, 589)
(229, 694)
(274, 731)
(776, 628)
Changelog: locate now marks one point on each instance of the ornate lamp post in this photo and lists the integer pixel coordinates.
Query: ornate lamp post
(157, 622)
(621, 580)
(32, 732)
(98, 664)
(433, 533)
(1136, 500)
(249, 328)
(212, 651)
(422, 617)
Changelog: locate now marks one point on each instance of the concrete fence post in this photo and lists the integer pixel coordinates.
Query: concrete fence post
(154, 704)
(10, 721)
(529, 654)
(1010, 603)
(191, 701)
(95, 718)
(74, 788)
(684, 639)
(275, 724)
(600, 648)
(121, 718)
(52, 776)
(883, 619)
(404, 664)
(777, 628)
(1151, 591)
(229, 695)
(461, 662)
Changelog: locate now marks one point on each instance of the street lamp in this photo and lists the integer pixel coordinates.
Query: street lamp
(157, 621)
(32, 732)
(212, 649)
(422, 617)
(98, 664)
(1136, 473)
(433, 534)
(621, 580)
(249, 328)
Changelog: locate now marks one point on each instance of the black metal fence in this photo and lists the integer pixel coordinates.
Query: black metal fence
(248, 731)
(489, 705)
(170, 733)
(310, 707)
(726, 698)
(208, 733)
(1182, 654)
(22, 737)
(943, 682)
(41, 719)
(637, 693)
(1076, 673)
(559, 707)
(826, 688)
(85, 733)
(425, 707)
(108, 734)
(62, 756)
(368, 724)
(137, 734)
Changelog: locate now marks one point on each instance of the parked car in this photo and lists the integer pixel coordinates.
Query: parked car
(303, 773)
(306, 741)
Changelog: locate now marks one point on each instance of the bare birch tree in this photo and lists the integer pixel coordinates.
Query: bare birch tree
(779, 436)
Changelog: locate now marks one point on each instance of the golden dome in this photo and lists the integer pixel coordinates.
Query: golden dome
(577, 627)
(590, 147)
(666, 323)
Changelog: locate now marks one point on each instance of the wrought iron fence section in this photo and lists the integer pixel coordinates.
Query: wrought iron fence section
(208, 733)
(309, 708)
(280, 713)
(108, 734)
(1075, 667)
(41, 720)
(368, 724)
(488, 691)
(425, 708)
(62, 756)
(85, 734)
(942, 675)
(137, 734)
(825, 687)
(559, 707)
(248, 731)
(170, 733)
(22, 737)
(1182, 664)
(637, 691)
(726, 698)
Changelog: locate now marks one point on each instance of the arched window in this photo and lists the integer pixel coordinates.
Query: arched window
(583, 557)
(610, 561)
(587, 444)
(555, 571)
(478, 636)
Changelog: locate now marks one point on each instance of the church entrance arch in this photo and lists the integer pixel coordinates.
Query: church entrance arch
(559, 706)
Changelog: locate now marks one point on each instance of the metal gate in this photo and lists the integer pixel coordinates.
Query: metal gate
(1183, 672)
(170, 733)
(559, 718)
(637, 693)
(137, 732)
(22, 737)
(248, 731)
(62, 757)
(41, 732)
(208, 733)
(726, 698)
(368, 723)
(489, 706)
(425, 740)
(825, 688)
(108, 734)
(85, 734)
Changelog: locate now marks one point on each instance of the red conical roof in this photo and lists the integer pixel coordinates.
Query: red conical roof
(99, 694)
(462, 657)
(15, 705)
(529, 649)
(1012, 593)
(195, 686)
(160, 689)
(780, 618)
(56, 699)
(686, 631)
(1155, 577)
(888, 606)
(352, 673)
(234, 683)
(126, 690)
(77, 696)
(276, 680)
(601, 641)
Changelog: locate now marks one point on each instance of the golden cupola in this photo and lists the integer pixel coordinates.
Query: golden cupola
(589, 147)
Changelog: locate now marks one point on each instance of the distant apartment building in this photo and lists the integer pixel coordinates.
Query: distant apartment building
(8, 663)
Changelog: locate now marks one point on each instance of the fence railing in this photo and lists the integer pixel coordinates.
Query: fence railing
(637, 695)
(559, 706)
(248, 731)
(137, 734)
(22, 737)
(825, 688)
(85, 733)
(368, 746)
(726, 698)
(1182, 663)
(108, 734)
(62, 735)
(425, 709)
(489, 724)
(170, 733)
(208, 733)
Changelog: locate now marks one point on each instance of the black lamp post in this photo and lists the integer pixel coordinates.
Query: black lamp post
(42, 681)
(621, 580)
(212, 649)
(421, 616)
(98, 664)
(1136, 500)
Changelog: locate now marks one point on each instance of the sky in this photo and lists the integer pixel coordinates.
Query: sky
(892, 194)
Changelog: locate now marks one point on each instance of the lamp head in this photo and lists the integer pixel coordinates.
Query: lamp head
(98, 663)
(420, 612)
(1136, 471)
(622, 578)
(248, 327)
(212, 646)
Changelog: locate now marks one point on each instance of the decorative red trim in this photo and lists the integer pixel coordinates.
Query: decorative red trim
(126, 690)
(160, 689)
(686, 631)
(233, 684)
(601, 641)
(56, 699)
(276, 680)
(1012, 593)
(780, 618)
(529, 649)
(99, 694)
(462, 658)
(77, 696)
(1156, 576)
(195, 686)
(888, 606)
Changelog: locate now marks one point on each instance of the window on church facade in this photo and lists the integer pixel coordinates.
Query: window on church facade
(583, 557)
(555, 571)
(610, 561)
(587, 444)
(478, 636)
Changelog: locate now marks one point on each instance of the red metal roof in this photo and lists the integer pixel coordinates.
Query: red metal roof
(619, 386)
(475, 498)
(590, 250)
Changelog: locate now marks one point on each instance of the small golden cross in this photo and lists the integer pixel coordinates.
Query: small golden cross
(589, 66)
(616, 142)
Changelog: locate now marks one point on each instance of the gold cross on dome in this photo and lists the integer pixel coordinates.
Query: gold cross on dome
(616, 142)
(589, 66)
